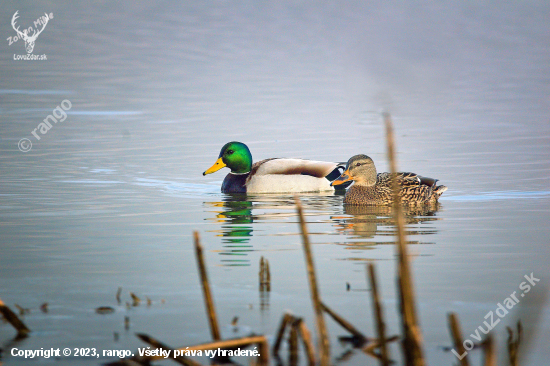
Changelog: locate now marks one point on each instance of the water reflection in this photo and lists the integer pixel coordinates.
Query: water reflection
(361, 227)
(376, 223)
(236, 219)
(234, 214)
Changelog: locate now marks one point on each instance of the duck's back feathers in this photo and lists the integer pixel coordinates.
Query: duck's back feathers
(413, 189)
(318, 169)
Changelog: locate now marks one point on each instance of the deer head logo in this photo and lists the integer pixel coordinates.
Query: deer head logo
(29, 41)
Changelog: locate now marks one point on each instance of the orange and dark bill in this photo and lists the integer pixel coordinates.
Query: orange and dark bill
(214, 168)
(345, 177)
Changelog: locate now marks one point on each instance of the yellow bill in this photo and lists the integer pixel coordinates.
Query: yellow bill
(214, 168)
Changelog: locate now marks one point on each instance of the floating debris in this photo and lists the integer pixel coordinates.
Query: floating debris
(104, 310)
(22, 311)
(118, 293)
(135, 300)
(44, 307)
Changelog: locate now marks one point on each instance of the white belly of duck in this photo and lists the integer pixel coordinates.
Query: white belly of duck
(290, 176)
(277, 183)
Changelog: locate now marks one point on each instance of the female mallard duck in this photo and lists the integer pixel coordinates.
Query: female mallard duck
(371, 188)
(272, 175)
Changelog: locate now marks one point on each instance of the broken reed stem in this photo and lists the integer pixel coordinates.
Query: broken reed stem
(265, 276)
(344, 323)
(228, 344)
(456, 335)
(293, 344)
(412, 339)
(306, 340)
(287, 318)
(380, 325)
(513, 345)
(213, 321)
(22, 330)
(182, 360)
(268, 275)
(324, 344)
(263, 348)
(376, 344)
(294, 322)
(261, 273)
(489, 354)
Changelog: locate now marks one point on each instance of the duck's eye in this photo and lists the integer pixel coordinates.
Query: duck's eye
(229, 152)
(358, 164)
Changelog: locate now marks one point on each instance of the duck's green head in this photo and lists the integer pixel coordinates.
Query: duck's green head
(360, 169)
(234, 155)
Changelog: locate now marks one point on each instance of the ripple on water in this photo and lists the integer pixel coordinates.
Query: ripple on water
(500, 195)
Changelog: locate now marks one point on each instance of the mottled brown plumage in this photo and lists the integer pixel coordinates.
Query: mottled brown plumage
(371, 188)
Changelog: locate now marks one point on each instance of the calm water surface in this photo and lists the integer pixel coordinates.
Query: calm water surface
(110, 197)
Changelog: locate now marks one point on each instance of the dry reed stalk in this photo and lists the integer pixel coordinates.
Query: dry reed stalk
(293, 344)
(306, 340)
(456, 334)
(489, 354)
(324, 345)
(213, 321)
(380, 325)
(263, 348)
(261, 341)
(376, 344)
(20, 327)
(119, 291)
(513, 344)
(412, 338)
(268, 275)
(344, 323)
(261, 273)
(265, 276)
(286, 320)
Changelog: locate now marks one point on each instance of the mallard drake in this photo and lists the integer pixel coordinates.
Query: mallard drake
(371, 188)
(274, 175)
